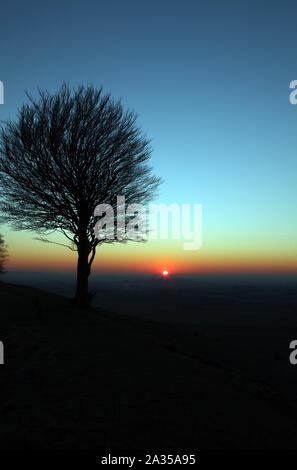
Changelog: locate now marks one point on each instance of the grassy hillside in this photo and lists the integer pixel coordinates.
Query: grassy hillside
(91, 379)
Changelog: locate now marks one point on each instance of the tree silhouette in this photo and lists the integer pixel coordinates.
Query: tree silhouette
(3, 253)
(64, 154)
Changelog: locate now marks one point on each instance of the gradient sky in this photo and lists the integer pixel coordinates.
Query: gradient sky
(210, 82)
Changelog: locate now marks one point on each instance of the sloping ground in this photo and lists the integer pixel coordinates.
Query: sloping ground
(91, 380)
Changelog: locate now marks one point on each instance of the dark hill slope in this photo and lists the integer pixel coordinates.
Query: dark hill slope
(90, 379)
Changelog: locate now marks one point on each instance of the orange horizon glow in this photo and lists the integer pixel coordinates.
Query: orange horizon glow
(175, 266)
(154, 257)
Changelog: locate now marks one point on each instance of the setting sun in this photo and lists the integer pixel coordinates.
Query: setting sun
(165, 273)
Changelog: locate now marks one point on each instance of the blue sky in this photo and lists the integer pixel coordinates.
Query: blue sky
(210, 82)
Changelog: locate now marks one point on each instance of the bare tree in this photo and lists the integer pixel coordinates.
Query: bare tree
(64, 154)
(3, 253)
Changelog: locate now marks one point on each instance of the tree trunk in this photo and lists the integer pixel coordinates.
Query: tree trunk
(83, 272)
